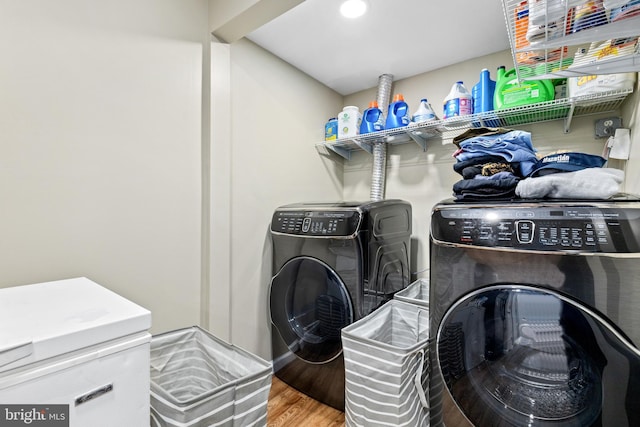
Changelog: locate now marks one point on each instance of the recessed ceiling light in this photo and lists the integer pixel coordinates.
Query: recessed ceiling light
(353, 8)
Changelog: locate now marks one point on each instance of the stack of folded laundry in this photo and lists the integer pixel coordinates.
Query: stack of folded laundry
(502, 164)
(492, 161)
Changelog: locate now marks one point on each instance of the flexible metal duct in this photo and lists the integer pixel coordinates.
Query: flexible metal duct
(378, 175)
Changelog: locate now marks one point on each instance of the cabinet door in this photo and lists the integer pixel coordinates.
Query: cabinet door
(100, 390)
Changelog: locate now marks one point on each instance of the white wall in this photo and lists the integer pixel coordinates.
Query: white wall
(277, 116)
(100, 118)
(631, 119)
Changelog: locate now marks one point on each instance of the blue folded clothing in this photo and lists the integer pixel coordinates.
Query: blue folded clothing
(566, 162)
(514, 147)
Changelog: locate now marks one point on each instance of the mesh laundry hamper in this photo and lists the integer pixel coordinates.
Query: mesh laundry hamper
(416, 293)
(386, 367)
(200, 380)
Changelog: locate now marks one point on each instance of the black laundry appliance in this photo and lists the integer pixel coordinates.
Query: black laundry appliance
(333, 263)
(535, 316)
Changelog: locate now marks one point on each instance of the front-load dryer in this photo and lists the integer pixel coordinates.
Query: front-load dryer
(534, 313)
(333, 263)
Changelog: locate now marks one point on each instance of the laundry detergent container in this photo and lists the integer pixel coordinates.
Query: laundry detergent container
(200, 380)
(510, 93)
(386, 362)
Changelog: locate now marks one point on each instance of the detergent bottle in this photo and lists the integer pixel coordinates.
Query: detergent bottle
(511, 93)
(331, 129)
(372, 120)
(398, 114)
(482, 95)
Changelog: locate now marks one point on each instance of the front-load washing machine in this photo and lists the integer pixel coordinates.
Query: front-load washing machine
(333, 263)
(535, 318)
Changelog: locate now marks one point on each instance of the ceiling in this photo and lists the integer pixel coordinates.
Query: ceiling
(398, 37)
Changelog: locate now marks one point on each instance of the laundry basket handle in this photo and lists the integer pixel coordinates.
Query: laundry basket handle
(418, 380)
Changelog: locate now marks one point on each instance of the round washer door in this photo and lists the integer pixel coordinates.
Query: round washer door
(309, 305)
(528, 356)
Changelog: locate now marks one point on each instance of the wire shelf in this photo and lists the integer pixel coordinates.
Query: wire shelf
(544, 37)
(560, 109)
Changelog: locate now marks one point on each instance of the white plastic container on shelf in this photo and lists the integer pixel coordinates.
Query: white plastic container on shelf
(424, 113)
(592, 85)
(349, 121)
(458, 102)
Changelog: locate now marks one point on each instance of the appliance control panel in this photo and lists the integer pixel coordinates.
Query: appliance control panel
(318, 223)
(565, 228)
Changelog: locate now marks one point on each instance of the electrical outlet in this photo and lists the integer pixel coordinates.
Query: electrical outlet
(607, 127)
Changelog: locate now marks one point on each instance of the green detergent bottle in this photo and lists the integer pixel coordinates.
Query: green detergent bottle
(509, 93)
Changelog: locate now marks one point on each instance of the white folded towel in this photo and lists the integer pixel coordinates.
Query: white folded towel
(542, 12)
(590, 183)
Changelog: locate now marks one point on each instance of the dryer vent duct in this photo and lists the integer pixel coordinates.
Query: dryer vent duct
(378, 175)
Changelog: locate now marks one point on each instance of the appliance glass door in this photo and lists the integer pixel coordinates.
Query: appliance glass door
(522, 355)
(309, 307)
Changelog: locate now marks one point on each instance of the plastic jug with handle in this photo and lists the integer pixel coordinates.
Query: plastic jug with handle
(398, 115)
(372, 119)
(510, 93)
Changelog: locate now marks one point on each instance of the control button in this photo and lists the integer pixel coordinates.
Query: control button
(485, 233)
(306, 224)
(504, 226)
(524, 231)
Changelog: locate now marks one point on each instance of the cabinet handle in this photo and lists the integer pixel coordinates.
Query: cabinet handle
(93, 394)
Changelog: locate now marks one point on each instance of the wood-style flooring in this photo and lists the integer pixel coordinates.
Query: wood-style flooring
(287, 407)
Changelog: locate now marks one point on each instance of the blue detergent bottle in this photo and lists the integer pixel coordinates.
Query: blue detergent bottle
(482, 95)
(372, 120)
(398, 115)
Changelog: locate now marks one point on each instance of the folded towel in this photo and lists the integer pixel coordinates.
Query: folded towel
(542, 12)
(590, 183)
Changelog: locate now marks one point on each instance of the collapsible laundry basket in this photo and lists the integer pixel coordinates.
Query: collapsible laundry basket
(416, 293)
(386, 367)
(200, 380)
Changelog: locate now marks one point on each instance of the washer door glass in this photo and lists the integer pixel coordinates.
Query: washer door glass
(309, 307)
(518, 355)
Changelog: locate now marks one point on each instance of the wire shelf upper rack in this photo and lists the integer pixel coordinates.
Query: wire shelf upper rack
(549, 33)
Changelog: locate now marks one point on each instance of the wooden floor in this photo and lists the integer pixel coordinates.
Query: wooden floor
(288, 407)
